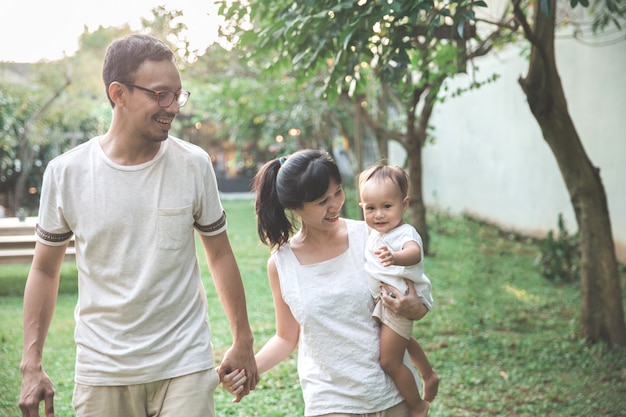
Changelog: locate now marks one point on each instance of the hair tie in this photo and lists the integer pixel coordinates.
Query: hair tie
(282, 160)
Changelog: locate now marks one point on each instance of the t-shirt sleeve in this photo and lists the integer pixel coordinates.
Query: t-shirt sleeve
(209, 216)
(51, 228)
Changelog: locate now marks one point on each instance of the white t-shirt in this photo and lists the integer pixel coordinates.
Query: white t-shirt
(394, 275)
(141, 314)
(339, 344)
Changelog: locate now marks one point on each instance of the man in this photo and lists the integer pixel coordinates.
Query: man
(132, 199)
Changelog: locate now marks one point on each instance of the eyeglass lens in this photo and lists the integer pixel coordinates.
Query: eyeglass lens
(166, 98)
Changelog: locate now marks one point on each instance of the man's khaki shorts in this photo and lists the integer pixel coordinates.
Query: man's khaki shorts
(189, 395)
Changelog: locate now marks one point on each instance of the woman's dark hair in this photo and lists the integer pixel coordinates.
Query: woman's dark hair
(288, 183)
(125, 55)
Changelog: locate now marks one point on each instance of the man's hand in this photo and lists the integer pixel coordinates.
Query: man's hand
(36, 387)
(234, 383)
(240, 358)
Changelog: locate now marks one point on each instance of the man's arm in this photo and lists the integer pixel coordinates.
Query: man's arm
(40, 295)
(229, 287)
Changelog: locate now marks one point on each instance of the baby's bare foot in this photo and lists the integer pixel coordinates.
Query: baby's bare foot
(431, 386)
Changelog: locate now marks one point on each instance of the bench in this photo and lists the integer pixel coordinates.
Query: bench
(17, 241)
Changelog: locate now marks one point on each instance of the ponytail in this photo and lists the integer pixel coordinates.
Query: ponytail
(273, 225)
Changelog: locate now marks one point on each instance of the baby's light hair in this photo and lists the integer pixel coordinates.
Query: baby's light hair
(380, 172)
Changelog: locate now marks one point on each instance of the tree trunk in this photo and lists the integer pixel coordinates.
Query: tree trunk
(602, 309)
(417, 207)
(358, 135)
(416, 137)
(382, 119)
(26, 153)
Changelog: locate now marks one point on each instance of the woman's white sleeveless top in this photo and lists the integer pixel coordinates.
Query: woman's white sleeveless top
(338, 350)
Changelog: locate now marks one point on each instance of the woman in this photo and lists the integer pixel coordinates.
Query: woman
(322, 302)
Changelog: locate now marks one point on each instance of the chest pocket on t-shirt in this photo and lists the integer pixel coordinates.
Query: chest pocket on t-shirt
(174, 225)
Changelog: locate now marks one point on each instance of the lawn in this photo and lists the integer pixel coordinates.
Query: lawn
(503, 339)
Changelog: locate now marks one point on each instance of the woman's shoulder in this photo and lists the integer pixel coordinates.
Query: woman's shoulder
(355, 224)
(280, 253)
(357, 229)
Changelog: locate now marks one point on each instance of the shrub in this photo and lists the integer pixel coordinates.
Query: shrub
(559, 257)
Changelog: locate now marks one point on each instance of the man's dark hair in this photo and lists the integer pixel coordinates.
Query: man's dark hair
(125, 55)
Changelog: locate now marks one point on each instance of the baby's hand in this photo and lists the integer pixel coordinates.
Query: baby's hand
(385, 256)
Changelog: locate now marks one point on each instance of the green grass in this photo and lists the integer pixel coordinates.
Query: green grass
(504, 340)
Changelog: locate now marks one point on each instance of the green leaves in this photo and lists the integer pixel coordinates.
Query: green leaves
(347, 37)
(560, 255)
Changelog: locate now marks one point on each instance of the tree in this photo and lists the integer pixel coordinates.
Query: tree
(23, 111)
(258, 114)
(348, 39)
(44, 113)
(602, 309)
(379, 58)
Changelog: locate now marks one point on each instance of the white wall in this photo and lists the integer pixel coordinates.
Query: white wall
(491, 161)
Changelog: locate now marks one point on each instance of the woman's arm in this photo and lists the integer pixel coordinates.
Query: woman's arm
(278, 347)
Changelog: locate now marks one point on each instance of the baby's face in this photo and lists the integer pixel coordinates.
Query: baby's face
(382, 204)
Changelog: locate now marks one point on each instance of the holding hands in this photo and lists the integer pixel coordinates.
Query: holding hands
(234, 382)
(238, 371)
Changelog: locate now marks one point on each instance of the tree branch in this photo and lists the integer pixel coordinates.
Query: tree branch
(486, 45)
(500, 24)
(520, 16)
(533, 36)
(31, 120)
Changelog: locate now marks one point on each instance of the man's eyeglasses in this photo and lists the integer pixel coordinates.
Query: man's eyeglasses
(165, 98)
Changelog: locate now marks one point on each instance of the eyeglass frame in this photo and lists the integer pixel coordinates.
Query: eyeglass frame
(157, 93)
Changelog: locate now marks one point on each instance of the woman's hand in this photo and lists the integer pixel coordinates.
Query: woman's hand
(408, 305)
(240, 357)
(234, 383)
